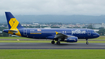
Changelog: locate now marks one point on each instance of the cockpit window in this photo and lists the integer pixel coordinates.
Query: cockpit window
(94, 31)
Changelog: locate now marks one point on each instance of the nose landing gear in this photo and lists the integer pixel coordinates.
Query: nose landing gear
(87, 41)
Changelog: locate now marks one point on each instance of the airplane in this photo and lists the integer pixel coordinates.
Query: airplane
(55, 34)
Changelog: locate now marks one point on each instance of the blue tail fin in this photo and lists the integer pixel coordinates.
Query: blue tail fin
(12, 21)
(13, 24)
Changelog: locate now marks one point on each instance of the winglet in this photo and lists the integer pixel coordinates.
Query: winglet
(56, 32)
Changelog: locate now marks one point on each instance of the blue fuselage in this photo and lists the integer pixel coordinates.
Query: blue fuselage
(56, 34)
(39, 33)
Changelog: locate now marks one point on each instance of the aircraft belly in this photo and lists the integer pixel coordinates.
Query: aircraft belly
(80, 36)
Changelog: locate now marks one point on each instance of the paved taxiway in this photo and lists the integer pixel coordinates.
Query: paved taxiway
(52, 46)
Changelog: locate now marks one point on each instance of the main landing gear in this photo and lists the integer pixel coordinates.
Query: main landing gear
(53, 42)
(87, 41)
(58, 42)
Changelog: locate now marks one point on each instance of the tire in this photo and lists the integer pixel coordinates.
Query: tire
(58, 42)
(52, 42)
(87, 43)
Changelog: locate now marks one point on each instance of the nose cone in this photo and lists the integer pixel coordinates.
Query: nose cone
(97, 35)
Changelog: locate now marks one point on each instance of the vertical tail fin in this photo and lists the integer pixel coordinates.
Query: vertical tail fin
(12, 21)
(13, 24)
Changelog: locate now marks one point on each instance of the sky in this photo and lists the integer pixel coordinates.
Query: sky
(53, 7)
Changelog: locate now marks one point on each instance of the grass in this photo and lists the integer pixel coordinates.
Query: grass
(52, 54)
(47, 41)
(13, 38)
(91, 41)
(39, 41)
(101, 38)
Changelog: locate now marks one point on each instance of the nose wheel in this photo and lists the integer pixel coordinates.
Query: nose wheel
(87, 41)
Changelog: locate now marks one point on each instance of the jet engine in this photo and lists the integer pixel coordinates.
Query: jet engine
(71, 39)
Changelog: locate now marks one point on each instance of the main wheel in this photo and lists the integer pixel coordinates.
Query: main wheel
(53, 42)
(58, 42)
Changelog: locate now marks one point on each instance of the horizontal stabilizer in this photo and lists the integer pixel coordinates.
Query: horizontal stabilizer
(13, 31)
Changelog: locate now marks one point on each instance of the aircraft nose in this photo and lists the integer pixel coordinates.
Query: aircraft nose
(97, 34)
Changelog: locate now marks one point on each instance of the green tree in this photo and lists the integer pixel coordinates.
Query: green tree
(90, 26)
(101, 31)
(3, 34)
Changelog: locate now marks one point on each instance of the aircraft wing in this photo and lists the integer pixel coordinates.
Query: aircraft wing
(60, 35)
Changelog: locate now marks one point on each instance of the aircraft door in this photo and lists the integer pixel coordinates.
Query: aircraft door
(63, 32)
(25, 32)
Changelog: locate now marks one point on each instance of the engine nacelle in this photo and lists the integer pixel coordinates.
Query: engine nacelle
(71, 39)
